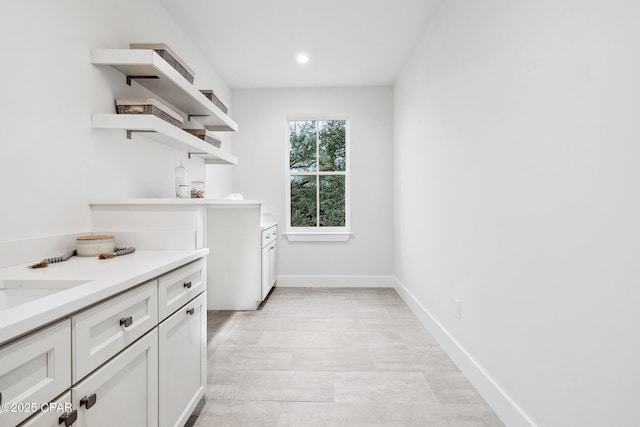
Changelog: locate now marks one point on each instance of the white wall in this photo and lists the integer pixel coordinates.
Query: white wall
(260, 144)
(516, 190)
(52, 161)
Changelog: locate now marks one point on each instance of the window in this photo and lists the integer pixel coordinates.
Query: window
(318, 178)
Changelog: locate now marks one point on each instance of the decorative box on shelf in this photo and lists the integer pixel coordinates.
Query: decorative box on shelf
(148, 106)
(203, 135)
(168, 55)
(213, 98)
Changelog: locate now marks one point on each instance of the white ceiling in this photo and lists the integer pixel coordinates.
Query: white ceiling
(254, 43)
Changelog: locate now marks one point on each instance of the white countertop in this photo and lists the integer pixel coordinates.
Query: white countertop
(171, 201)
(267, 223)
(105, 278)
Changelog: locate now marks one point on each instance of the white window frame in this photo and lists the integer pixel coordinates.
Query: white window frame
(319, 234)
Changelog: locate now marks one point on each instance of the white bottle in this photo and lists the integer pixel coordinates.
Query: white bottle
(181, 178)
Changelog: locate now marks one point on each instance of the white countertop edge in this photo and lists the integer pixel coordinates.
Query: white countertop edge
(126, 272)
(168, 201)
(268, 224)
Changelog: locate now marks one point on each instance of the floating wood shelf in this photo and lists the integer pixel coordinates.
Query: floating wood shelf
(154, 73)
(161, 131)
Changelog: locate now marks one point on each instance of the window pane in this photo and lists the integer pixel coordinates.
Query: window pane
(303, 201)
(332, 201)
(332, 145)
(302, 135)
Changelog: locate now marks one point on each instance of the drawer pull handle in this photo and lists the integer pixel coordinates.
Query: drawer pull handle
(126, 321)
(89, 401)
(68, 418)
(187, 285)
(191, 311)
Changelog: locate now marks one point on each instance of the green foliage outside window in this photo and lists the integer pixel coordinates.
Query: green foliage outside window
(318, 196)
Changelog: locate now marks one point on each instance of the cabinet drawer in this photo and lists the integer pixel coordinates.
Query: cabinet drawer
(102, 331)
(179, 287)
(183, 362)
(54, 416)
(35, 369)
(123, 392)
(269, 235)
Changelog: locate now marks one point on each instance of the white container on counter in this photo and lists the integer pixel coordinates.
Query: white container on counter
(95, 245)
(184, 191)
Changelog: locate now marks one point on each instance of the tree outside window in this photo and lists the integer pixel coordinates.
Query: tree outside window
(318, 173)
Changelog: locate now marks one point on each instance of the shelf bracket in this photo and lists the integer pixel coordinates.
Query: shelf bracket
(129, 132)
(129, 78)
(189, 154)
(196, 115)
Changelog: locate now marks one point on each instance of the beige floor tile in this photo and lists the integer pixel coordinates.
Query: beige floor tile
(242, 357)
(383, 387)
(314, 359)
(219, 413)
(369, 339)
(468, 416)
(410, 359)
(312, 414)
(296, 339)
(296, 386)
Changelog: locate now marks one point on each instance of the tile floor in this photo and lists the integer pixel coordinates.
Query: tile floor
(333, 357)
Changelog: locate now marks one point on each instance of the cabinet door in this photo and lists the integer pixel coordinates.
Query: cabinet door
(124, 391)
(266, 263)
(55, 414)
(273, 264)
(102, 331)
(180, 286)
(183, 362)
(34, 370)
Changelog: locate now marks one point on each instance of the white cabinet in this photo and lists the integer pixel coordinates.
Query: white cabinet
(34, 369)
(237, 261)
(179, 287)
(269, 259)
(123, 392)
(103, 365)
(58, 413)
(182, 363)
(101, 332)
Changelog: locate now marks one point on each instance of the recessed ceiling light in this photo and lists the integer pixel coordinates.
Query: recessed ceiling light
(302, 58)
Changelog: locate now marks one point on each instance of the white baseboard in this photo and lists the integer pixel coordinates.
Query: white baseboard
(328, 281)
(502, 404)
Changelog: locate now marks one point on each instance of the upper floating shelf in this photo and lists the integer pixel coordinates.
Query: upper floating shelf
(169, 84)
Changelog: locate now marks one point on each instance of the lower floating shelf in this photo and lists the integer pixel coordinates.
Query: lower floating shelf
(161, 131)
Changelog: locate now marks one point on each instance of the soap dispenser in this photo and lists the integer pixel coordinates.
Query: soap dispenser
(181, 178)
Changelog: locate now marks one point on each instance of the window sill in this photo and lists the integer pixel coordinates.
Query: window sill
(318, 236)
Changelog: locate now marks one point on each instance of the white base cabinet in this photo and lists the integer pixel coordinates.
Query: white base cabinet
(34, 369)
(114, 364)
(269, 259)
(123, 392)
(182, 364)
(59, 413)
(101, 332)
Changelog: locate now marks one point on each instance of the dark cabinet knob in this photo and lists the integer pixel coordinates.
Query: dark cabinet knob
(68, 418)
(187, 285)
(88, 401)
(191, 311)
(126, 321)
